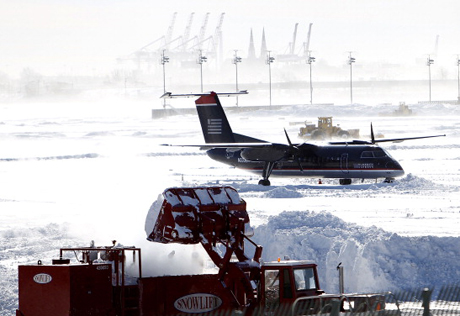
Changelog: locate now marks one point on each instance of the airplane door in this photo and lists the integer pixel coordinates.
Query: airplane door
(344, 163)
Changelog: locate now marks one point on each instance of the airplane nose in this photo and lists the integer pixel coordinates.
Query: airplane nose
(398, 171)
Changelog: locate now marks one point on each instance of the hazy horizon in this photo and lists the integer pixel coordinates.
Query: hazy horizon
(68, 36)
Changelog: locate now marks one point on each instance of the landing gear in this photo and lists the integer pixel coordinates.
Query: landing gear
(264, 182)
(345, 181)
(389, 180)
(266, 172)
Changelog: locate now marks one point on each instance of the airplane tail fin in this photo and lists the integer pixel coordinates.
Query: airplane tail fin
(214, 123)
(213, 120)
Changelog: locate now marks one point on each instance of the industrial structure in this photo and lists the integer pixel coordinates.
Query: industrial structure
(184, 49)
(198, 61)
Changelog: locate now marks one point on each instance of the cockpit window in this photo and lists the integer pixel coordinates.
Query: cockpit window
(385, 153)
(377, 153)
(367, 154)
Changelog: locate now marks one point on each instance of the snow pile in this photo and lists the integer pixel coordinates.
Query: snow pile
(282, 192)
(413, 182)
(27, 246)
(309, 186)
(374, 260)
(359, 110)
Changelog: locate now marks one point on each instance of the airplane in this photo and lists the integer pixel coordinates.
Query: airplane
(345, 160)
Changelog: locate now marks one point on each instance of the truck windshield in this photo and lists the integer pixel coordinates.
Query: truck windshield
(304, 279)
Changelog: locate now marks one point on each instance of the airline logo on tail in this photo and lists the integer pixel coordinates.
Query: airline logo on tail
(214, 126)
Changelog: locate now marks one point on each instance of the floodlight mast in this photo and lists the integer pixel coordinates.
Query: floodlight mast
(269, 62)
(236, 60)
(458, 78)
(201, 59)
(310, 60)
(351, 60)
(429, 62)
(164, 60)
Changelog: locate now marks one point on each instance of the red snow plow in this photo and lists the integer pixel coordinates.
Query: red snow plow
(215, 217)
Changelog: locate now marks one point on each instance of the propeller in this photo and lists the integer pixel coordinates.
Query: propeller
(295, 150)
(288, 139)
(372, 135)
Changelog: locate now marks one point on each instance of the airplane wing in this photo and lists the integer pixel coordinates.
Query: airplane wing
(382, 140)
(399, 140)
(169, 95)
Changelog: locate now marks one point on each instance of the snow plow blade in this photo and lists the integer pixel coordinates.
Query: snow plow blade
(189, 215)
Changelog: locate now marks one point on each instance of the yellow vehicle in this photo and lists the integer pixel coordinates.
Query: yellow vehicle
(325, 130)
(403, 110)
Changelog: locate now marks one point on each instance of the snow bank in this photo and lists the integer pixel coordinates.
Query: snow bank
(414, 183)
(282, 192)
(27, 246)
(373, 259)
(312, 111)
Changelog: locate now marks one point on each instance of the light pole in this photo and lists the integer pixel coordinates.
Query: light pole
(269, 62)
(236, 60)
(310, 60)
(164, 60)
(458, 78)
(351, 60)
(429, 62)
(201, 59)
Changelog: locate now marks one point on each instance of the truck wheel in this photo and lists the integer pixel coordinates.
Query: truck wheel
(344, 134)
(318, 135)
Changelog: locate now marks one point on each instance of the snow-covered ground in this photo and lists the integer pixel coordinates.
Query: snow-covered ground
(72, 172)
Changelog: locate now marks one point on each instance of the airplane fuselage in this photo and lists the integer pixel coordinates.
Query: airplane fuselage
(328, 161)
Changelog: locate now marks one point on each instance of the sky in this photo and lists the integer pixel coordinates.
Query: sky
(68, 36)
